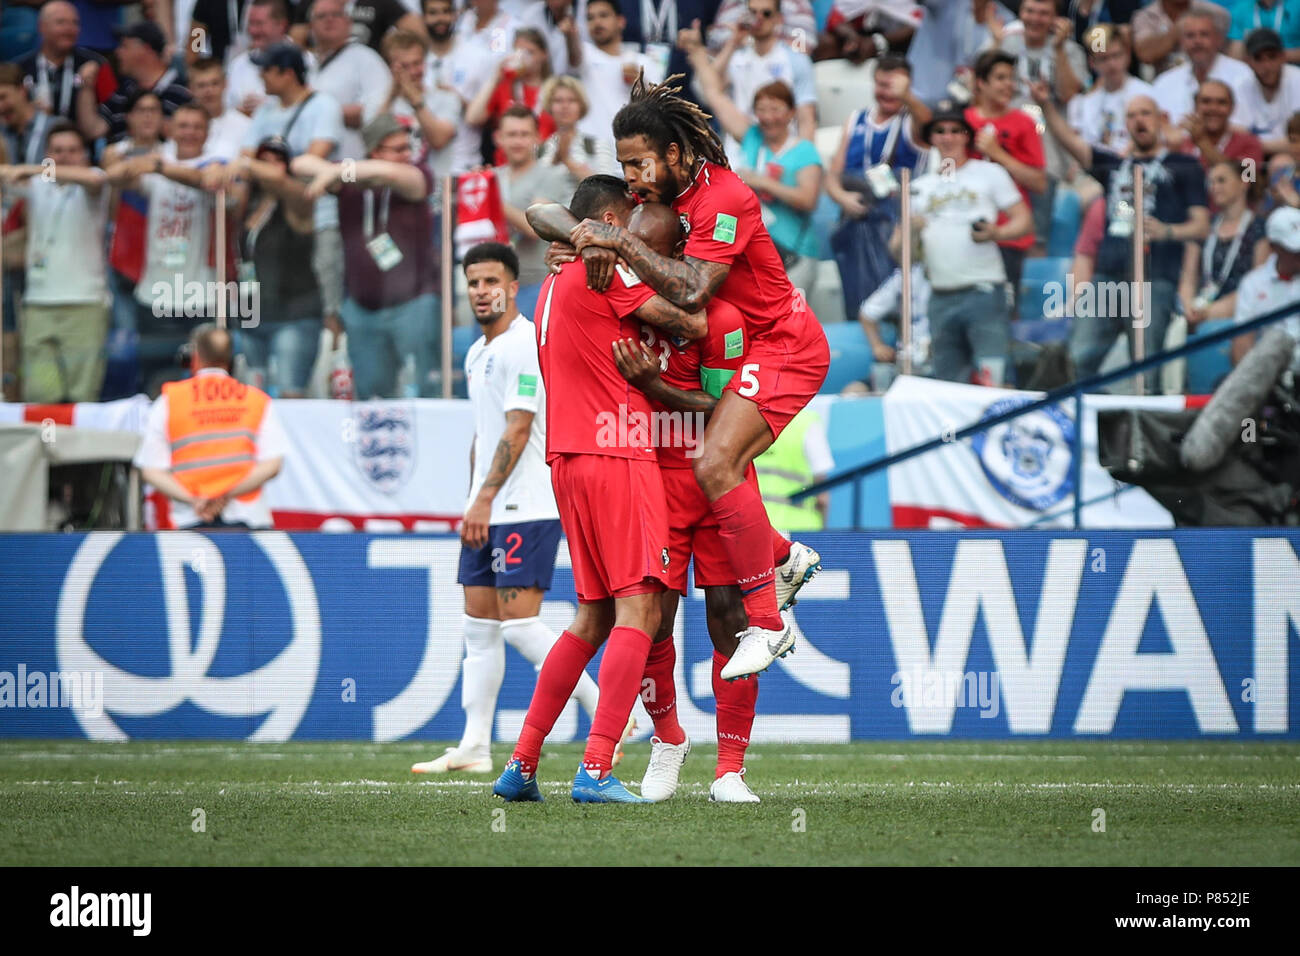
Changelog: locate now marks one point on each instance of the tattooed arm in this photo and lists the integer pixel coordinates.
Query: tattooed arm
(662, 314)
(554, 222)
(640, 368)
(551, 221)
(688, 284)
(474, 526)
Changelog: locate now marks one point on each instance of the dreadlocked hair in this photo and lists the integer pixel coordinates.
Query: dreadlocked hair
(658, 112)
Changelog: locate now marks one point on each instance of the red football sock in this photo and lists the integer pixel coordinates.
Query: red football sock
(747, 534)
(563, 666)
(735, 707)
(780, 548)
(660, 695)
(619, 682)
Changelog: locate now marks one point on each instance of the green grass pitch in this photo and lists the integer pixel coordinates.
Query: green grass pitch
(77, 803)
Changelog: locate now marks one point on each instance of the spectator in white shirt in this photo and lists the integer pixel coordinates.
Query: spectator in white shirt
(440, 22)
(65, 304)
(268, 24)
(1202, 43)
(1272, 95)
(608, 67)
(351, 72)
(558, 21)
(755, 55)
(429, 112)
(1274, 284)
(1098, 115)
(955, 212)
(226, 125)
(485, 35)
(798, 25)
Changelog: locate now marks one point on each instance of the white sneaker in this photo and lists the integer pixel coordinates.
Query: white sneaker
(731, 788)
(660, 780)
(800, 568)
(757, 649)
(454, 761)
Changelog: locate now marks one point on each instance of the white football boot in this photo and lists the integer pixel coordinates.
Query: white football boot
(731, 788)
(799, 568)
(757, 649)
(456, 761)
(660, 780)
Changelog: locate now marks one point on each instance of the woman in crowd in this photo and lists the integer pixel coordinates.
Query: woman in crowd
(565, 101)
(275, 248)
(1236, 245)
(517, 81)
(783, 169)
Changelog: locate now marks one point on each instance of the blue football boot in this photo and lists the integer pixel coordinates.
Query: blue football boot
(512, 786)
(587, 789)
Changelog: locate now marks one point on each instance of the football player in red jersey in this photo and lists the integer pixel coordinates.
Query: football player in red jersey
(607, 482)
(684, 381)
(670, 154)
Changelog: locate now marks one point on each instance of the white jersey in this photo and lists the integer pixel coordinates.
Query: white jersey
(1262, 290)
(503, 375)
(950, 203)
(1267, 118)
(1099, 115)
(607, 90)
(178, 239)
(1176, 88)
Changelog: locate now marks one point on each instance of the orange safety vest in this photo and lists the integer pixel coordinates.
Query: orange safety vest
(212, 424)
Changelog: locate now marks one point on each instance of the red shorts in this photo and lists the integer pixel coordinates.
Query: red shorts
(783, 369)
(692, 529)
(616, 522)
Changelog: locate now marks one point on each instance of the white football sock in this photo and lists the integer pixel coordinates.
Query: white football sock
(533, 639)
(481, 674)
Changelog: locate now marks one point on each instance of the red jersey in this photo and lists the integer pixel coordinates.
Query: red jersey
(591, 408)
(725, 225)
(1018, 135)
(511, 91)
(706, 364)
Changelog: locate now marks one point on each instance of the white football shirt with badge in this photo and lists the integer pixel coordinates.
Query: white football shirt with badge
(503, 375)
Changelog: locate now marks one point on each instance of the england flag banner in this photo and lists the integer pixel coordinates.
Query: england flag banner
(1013, 475)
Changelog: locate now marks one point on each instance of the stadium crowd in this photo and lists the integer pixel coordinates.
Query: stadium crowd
(329, 128)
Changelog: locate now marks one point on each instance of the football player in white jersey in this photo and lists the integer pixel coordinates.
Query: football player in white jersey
(511, 528)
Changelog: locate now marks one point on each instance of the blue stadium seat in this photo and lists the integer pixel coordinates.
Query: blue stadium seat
(1032, 324)
(1067, 218)
(1206, 369)
(850, 356)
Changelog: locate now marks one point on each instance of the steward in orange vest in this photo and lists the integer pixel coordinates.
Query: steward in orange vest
(212, 427)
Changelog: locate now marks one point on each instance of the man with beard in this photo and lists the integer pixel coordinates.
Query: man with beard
(1175, 209)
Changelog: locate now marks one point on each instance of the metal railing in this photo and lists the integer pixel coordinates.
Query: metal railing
(1075, 390)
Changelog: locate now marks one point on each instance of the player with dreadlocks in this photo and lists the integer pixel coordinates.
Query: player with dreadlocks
(670, 154)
